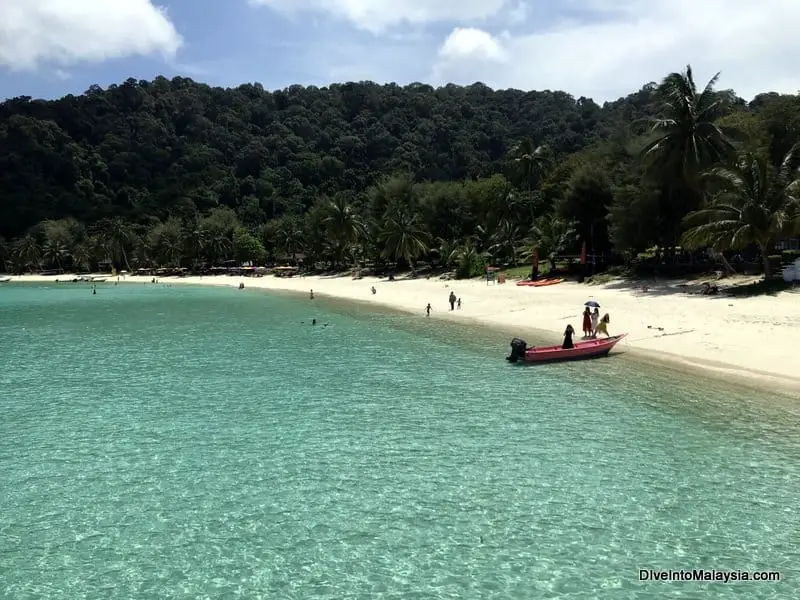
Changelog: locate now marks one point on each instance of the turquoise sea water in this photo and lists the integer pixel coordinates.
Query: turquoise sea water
(204, 443)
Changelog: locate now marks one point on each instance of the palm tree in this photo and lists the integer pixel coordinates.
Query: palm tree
(119, 238)
(80, 257)
(166, 244)
(687, 140)
(403, 237)
(27, 252)
(549, 236)
(289, 236)
(447, 251)
(687, 137)
(99, 247)
(530, 161)
(752, 204)
(212, 241)
(470, 261)
(506, 239)
(343, 224)
(195, 241)
(55, 251)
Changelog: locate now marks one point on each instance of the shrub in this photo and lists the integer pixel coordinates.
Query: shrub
(470, 264)
(789, 256)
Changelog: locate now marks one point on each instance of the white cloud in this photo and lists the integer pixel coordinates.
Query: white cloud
(378, 15)
(66, 32)
(472, 44)
(597, 48)
(628, 43)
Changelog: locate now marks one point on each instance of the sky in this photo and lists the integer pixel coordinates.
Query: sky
(600, 49)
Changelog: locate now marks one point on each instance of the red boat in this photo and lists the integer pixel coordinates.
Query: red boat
(595, 348)
(540, 282)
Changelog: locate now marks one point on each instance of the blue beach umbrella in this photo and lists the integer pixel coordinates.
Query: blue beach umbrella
(592, 304)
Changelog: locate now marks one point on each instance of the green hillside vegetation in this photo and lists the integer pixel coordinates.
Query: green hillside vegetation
(177, 173)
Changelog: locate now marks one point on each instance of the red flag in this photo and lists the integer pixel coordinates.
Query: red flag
(583, 254)
(535, 258)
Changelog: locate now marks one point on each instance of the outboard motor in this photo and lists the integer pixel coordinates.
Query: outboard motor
(518, 348)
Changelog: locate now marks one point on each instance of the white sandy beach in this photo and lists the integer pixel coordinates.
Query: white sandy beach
(756, 337)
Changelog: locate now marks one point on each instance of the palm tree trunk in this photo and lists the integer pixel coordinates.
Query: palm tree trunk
(765, 259)
(726, 265)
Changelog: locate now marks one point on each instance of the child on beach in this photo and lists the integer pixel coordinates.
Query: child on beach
(595, 321)
(602, 327)
(428, 309)
(459, 304)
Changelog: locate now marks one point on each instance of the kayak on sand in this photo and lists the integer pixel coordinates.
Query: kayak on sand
(539, 283)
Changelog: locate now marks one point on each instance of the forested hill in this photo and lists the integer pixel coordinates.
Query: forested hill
(149, 148)
(177, 172)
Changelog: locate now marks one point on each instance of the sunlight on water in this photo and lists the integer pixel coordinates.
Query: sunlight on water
(209, 443)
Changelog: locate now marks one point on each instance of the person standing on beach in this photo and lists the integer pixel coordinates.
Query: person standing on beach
(459, 304)
(311, 295)
(568, 333)
(595, 321)
(428, 309)
(602, 327)
(587, 322)
(452, 301)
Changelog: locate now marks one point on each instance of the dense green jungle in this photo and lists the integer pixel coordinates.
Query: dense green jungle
(174, 173)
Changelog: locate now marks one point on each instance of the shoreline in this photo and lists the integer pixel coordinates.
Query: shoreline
(747, 341)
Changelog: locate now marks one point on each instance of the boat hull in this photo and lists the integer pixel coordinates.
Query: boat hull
(583, 350)
(549, 361)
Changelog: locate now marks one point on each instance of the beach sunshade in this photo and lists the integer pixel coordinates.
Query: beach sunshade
(592, 304)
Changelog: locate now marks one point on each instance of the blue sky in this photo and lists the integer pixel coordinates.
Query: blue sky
(596, 48)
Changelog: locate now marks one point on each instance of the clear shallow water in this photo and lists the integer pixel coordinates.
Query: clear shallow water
(203, 443)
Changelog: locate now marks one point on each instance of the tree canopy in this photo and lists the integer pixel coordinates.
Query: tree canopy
(175, 173)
